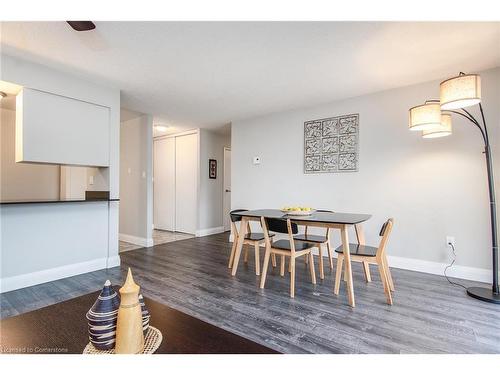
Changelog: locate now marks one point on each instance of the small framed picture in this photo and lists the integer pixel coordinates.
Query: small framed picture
(212, 168)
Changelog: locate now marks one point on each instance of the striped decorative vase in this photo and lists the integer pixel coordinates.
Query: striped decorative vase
(145, 315)
(102, 318)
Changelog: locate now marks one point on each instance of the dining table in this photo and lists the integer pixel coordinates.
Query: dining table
(332, 220)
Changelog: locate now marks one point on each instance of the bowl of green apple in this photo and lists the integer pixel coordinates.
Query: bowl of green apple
(298, 211)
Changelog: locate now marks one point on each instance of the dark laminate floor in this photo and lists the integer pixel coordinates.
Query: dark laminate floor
(429, 315)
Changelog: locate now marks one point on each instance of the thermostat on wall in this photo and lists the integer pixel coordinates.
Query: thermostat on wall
(256, 159)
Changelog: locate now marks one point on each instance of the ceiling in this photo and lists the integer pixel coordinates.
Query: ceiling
(208, 74)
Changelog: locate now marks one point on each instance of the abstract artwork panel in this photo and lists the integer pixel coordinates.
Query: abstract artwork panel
(312, 129)
(329, 162)
(313, 146)
(347, 162)
(331, 144)
(312, 163)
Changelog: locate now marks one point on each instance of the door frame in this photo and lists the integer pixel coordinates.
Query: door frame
(226, 148)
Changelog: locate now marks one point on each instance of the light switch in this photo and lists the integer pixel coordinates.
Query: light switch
(256, 160)
(129, 170)
(143, 174)
(91, 180)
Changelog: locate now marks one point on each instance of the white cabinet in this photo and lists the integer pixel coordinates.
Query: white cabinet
(60, 130)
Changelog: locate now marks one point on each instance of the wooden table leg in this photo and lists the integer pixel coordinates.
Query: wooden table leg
(348, 269)
(239, 245)
(360, 234)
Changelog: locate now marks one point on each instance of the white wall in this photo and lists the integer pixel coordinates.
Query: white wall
(433, 188)
(136, 171)
(23, 181)
(211, 191)
(85, 249)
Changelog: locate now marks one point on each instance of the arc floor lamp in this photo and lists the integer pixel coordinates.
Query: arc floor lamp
(433, 118)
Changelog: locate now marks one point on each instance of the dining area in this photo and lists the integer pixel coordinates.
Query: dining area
(295, 234)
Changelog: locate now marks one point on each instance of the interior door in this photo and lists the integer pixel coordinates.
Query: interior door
(227, 189)
(164, 183)
(186, 176)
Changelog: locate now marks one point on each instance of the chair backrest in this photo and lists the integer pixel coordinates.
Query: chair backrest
(234, 215)
(280, 226)
(236, 218)
(385, 231)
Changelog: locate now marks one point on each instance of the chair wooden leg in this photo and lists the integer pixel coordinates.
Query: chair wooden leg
(245, 258)
(292, 277)
(233, 250)
(338, 274)
(289, 267)
(282, 266)
(321, 270)
(264, 267)
(385, 282)
(273, 260)
(257, 258)
(389, 276)
(330, 256)
(311, 267)
(366, 268)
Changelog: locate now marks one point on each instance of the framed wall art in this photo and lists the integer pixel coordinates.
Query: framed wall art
(331, 144)
(212, 168)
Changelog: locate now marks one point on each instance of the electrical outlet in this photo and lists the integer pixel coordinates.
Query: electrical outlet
(450, 240)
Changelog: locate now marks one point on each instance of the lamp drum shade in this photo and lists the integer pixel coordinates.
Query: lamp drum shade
(439, 131)
(460, 92)
(426, 116)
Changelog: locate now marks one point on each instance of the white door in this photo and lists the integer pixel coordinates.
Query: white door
(186, 186)
(227, 189)
(164, 183)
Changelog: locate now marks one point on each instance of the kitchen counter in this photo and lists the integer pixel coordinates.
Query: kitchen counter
(59, 201)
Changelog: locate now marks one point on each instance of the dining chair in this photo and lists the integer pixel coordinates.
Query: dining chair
(253, 239)
(318, 240)
(285, 248)
(370, 255)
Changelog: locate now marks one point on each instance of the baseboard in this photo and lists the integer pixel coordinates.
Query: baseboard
(34, 278)
(209, 231)
(434, 268)
(140, 241)
(113, 261)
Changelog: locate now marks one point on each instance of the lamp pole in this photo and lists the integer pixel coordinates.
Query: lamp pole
(485, 294)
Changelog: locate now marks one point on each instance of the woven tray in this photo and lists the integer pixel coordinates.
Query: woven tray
(152, 342)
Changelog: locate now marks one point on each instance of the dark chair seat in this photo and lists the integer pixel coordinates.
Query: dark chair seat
(285, 245)
(256, 236)
(356, 249)
(311, 238)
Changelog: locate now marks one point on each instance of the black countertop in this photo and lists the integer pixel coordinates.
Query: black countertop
(58, 201)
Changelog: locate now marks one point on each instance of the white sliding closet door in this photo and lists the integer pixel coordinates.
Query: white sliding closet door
(186, 166)
(164, 183)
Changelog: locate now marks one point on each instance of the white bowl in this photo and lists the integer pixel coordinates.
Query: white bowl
(298, 213)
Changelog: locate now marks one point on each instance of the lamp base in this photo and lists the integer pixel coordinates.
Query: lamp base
(484, 294)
